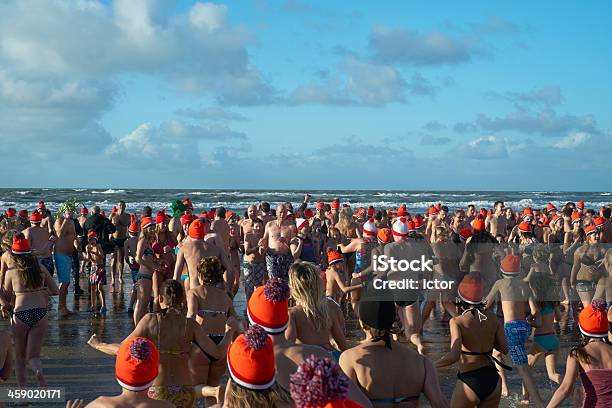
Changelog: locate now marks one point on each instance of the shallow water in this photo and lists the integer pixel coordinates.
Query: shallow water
(86, 373)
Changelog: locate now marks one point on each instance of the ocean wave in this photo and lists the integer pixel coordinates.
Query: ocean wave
(606, 194)
(109, 191)
(22, 192)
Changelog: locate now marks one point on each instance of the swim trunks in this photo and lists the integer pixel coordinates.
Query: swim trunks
(63, 263)
(47, 262)
(517, 332)
(98, 275)
(278, 265)
(253, 276)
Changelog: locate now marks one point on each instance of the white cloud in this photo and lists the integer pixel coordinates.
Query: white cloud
(484, 148)
(573, 140)
(209, 16)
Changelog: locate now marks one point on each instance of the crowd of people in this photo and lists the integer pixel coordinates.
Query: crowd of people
(304, 270)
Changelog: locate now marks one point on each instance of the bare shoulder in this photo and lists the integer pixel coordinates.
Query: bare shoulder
(101, 402)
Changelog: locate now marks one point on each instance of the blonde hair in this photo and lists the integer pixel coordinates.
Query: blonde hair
(345, 219)
(240, 397)
(307, 290)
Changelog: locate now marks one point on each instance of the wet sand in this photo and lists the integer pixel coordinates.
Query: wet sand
(86, 373)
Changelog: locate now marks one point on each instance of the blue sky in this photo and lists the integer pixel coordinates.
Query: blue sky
(291, 94)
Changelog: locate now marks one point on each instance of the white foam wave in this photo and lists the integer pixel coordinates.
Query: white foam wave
(109, 191)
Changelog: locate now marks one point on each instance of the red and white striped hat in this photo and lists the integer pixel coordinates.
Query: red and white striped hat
(400, 227)
(300, 223)
(369, 227)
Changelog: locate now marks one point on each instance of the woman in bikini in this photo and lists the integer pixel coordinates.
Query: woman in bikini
(210, 305)
(592, 360)
(145, 256)
(32, 285)
(588, 265)
(391, 374)
(314, 319)
(163, 247)
(349, 229)
(474, 335)
(173, 334)
(545, 339)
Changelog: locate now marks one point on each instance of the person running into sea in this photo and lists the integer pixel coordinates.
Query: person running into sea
(390, 374)
(591, 360)
(32, 286)
(97, 276)
(268, 308)
(63, 248)
(254, 257)
(545, 339)
(145, 256)
(520, 313)
(475, 333)
(277, 238)
(121, 220)
(211, 306)
(136, 367)
(173, 333)
(41, 242)
(129, 251)
(335, 277)
(314, 319)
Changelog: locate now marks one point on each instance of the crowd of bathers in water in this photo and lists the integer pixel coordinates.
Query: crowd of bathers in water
(303, 270)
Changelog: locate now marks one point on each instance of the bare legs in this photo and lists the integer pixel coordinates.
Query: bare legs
(28, 343)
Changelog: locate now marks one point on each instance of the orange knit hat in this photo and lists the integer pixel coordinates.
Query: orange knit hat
(35, 217)
(524, 227)
(333, 256)
(511, 265)
(593, 320)
(402, 212)
(146, 222)
(471, 290)
(418, 221)
(268, 306)
(21, 245)
(591, 229)
(250, 359)
(384, 235)
(197, 229)
(137, 364)
(478, 225)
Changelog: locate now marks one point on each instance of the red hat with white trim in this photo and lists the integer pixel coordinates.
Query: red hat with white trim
(187, 218)
(576, 217)
(84, 211)
(369, 227)
(402, 212)
(92, 235)
(21, 245)
(250, 359)
(334, 256)
(550, 207)
(161, 217)
(510, 265)
(471, 290)
(593, 319)
(580, 205)
(400, 228)
(371, 211)
(134, 228)
(591, 229)
(527, 211)
(598, 221)
(555, 219)
(335, 204)
(11, 212)
(187, 202)
(23, 214)
(268, 306)
(35, 217)
(524, 227)
(146, 222)
(137, 364)
(300, 223)
(411, 226)
(433, 210)
(320, 205)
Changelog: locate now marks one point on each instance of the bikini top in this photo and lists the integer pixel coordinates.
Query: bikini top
(22, 292)
(171, 352)
(548, 309)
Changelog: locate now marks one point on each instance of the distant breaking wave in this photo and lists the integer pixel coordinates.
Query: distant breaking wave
(109, 191)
